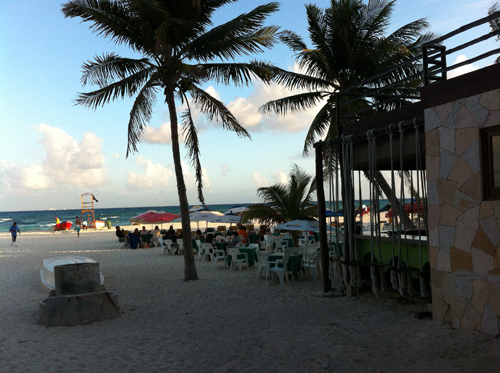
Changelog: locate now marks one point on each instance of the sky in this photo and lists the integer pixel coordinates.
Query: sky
(52, 151)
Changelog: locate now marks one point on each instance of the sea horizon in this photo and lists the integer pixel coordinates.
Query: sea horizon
(44, 220)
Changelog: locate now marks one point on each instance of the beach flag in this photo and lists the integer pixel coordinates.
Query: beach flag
(95, 199)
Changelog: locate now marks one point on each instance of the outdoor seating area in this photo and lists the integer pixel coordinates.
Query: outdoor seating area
(281, 255)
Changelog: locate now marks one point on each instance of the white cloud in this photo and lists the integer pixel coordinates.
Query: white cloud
(463, 69)
(154, 175)
(259, 180)
(67, 163)
(280, 177)
(225, 170)
(162, 135)
(247, 111)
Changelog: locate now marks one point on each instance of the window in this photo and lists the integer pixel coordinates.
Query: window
(490, 138)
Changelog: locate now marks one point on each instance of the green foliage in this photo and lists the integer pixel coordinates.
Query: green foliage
(181, 51)
(350, 44)
(282, 203)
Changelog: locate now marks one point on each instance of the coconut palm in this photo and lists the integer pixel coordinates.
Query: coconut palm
(282, 203)
(349, 45)
(180, 52)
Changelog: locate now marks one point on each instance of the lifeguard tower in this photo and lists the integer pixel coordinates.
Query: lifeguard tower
(88, 209)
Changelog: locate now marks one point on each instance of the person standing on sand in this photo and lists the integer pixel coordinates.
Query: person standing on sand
(14, 230)
(78, 225)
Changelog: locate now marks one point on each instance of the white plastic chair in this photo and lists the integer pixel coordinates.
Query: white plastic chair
(278, 267)
(122, 242)
(170, 247)
(180, 246)
(312, 264)
(269, 243)
(261, 261)
(207, 251)
(218, 255)
(162, 245)
(237, 257)
(199, 250)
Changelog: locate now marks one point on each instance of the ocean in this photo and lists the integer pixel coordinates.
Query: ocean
(44, 220)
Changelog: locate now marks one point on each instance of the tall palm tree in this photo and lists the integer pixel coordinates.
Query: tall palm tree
(349, 45)
(282, 203)
(180, 52)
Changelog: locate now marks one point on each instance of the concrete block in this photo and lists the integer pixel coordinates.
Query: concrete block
(68, 310)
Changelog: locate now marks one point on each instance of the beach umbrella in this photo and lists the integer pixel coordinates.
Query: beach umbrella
(414, 207)
(236, 210)
(410, 208)
(333, 213)
(302, 225)
(198, 208)
(208, 216)
(228, 218)
(153, 217)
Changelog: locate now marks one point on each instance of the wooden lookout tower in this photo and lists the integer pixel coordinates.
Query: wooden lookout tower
(88, 209)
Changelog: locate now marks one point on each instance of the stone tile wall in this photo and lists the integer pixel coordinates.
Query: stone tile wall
(464, 230)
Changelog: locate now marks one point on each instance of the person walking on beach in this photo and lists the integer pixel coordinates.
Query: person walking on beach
(14, 230)
(78, 225)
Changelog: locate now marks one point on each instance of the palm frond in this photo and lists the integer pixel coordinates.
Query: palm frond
(238, 74)
(295, 103)
(292, 40)
(292, 80)
(319, 126)
(125, 87)
(193, 146)
(110, 19)
(140, 115)
(216, 110)
(111, 67)
(243, 35)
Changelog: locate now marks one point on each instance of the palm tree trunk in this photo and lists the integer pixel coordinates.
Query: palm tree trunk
(190, 272)
(386, 188)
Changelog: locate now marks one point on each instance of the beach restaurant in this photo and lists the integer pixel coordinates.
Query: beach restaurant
(445, 136)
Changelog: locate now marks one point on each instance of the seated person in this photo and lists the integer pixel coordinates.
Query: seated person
(210, 239)
(156, 235)
(236, 239)
(134, 239)
(242, 232)
(171, 235)
(144, 231)
(199, 235)
(262, 243)
(119, 232)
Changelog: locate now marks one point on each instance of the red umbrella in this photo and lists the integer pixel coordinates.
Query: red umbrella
(414, 207)
(154, 217)
(409, 209)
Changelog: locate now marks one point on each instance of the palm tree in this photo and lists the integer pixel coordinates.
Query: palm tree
(350, 46)
(180, 52)
(282, 203)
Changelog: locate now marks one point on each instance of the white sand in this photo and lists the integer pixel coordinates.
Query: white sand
(228, 321)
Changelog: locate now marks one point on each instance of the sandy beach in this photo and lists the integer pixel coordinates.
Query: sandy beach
(228, 321)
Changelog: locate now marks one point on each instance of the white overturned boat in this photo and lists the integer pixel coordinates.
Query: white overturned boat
(47, 271)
